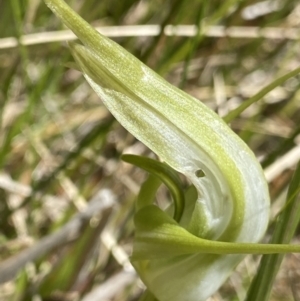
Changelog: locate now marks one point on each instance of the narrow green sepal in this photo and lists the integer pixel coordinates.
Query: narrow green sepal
(159, 236)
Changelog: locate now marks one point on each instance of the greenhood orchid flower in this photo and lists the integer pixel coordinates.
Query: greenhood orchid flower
(187, 258)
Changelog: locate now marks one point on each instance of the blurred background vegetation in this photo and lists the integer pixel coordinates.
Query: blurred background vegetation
(67, 200)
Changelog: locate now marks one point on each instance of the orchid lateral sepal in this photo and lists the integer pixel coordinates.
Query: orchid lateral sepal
(159, 236)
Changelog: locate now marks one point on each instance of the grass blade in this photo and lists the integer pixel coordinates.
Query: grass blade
(285, 228)
(236, 112)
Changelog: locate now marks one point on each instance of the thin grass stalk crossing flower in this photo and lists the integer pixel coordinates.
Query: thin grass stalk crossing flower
(189, 257)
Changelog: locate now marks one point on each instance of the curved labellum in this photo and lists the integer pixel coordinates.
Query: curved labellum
(233, 199)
